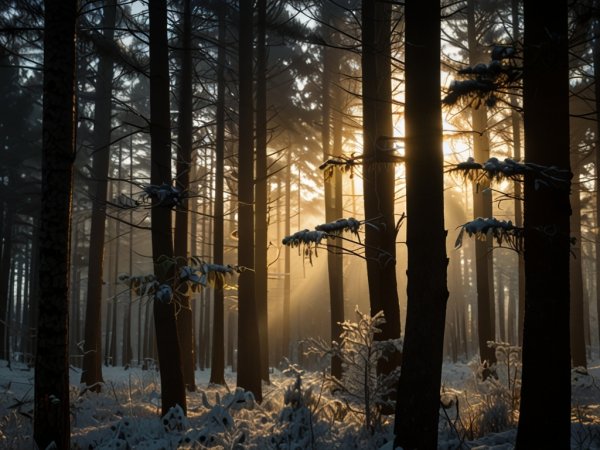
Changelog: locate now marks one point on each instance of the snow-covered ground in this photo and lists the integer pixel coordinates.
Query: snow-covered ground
(125, 414)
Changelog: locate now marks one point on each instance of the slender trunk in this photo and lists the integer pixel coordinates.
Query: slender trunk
(184, 161)
(285, 322)
(217, 369)
(482, 207)
(577, 328)
(378, 172)
(261, 193)
(516, 128)
(5, 263)
(596, 55)
(91, 374)
(332, 210)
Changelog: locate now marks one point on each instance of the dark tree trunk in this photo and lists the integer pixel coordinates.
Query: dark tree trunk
(51, 414)
(333, 200)
(184, 161)
(169, 353)
(576, 278)
(379, 176)
(596, 54)
(482, 207)
(417, 407)
(516, 128)
(285, 322)
(217, 367)
(261, 192)
(249, 376)
(91, 374)
(547, 211)
(5, 264)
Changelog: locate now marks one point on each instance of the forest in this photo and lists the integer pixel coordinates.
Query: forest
(282, 224)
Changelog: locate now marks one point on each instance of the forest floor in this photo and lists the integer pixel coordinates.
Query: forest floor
(477, 415)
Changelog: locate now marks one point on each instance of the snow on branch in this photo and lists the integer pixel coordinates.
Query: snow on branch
(309, 240)
(483, 83)
(344, 163)
(165, 195)
(545, 177)
(504, 232)
(350, 225)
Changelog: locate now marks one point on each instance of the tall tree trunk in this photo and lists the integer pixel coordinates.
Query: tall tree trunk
(249, 376)
(577, 327)
(217, 367)
(379, 176)
(482, 207)
(169, 353)
(417, 407)
(596, 55)
(547, 240)
(287, 276)
(184, 161)
(332, 201)
(261, 192)
(91, 373)
(5, 263)
(51, 415)
(516, 128)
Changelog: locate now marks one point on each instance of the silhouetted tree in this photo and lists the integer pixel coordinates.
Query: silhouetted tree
(249, 376)
(51, 414)
(169, 353)
(91, 373)
(417, 406)
(547, 240)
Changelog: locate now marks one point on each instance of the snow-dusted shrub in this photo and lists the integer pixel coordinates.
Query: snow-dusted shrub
(363, 391)
(493, 404)
(294, 430)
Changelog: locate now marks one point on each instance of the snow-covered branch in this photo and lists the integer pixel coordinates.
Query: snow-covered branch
(504, 232)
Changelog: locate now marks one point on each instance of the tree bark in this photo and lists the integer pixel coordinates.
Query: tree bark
(91, 373)
(51, 414)
(169, 353)
(547, 240)
(217, 367)
(249, 376)
(417, 407)
(261, 192)
(379, 175)
(184, 162)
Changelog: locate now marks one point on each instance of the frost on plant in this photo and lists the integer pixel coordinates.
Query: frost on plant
(294, 429)
(350, 225)
(308, 241)
(165, 195)
(502, 231)
(364, 391)
(549, 177)
(484, 84)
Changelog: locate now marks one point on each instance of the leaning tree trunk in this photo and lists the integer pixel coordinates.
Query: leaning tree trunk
(51, 414)
(547, 240)
(169, 354)
(417, 406)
